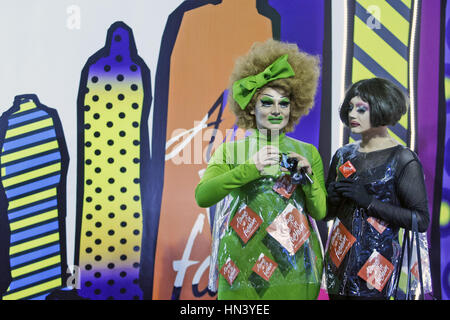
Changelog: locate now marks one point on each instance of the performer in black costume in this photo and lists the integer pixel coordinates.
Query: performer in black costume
(373, 187)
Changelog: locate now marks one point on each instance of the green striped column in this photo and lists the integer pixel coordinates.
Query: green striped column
(381, 44)
(31, 169)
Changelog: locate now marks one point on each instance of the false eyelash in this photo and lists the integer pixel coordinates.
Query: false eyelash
(266, 102)
(361, 109)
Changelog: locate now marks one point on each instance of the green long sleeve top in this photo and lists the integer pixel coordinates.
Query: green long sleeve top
(231, 172)
(231, 167)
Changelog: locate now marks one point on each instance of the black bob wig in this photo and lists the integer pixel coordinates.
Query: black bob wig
(387, 102)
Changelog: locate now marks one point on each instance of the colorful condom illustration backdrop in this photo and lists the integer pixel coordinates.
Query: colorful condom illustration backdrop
(382, 45)
(113, 107)
(34, 162)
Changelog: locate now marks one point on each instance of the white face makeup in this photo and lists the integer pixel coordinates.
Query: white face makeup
(272, 110)
(359, 115)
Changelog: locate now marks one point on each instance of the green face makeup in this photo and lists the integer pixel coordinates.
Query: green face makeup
(266, 101)
(272, 109)
(285, 102)
(275, 120)
(269, 102)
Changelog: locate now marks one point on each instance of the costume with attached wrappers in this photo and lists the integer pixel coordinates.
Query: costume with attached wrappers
(266, 245)
(363, 249)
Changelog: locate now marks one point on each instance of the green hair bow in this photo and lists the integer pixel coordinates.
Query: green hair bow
(244, 89)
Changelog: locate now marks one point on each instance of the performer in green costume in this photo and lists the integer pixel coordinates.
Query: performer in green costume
(264, 241)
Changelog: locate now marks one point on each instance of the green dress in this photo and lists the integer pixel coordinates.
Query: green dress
(232, 175)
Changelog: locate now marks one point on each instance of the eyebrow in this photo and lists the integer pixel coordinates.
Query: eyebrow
(358, 102)
(266, 94)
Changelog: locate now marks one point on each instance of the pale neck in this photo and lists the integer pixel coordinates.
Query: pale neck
(376, 139)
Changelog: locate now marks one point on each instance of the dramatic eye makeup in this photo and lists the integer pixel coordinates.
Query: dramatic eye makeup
(266, 101)
(284, 102)
(360, 108)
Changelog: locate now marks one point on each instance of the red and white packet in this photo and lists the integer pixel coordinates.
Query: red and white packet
(284, 186)
(229, 271)
(264, 267)
(290, 228)
(347, 169)
(245, 222)
(341, 241)
(376, 271)
(378, 224)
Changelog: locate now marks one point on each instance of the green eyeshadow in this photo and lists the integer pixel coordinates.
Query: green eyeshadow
(266, 100)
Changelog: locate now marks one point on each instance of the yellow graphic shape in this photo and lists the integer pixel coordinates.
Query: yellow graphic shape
(112, 212)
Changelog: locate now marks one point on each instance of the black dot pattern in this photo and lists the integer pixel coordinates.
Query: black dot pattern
(111, 227)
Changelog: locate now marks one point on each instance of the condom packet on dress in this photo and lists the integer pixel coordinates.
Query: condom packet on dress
(264, 267)
(296, 267)
(245, 222)
(284, 186)
(347, 169)
(376, 271)
(230, 271)
(290, 229)
(223, 212)
(262, 271)
(341, 241)
(378, 224)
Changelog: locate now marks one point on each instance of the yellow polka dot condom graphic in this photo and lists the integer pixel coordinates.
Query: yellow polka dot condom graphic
(113, 105)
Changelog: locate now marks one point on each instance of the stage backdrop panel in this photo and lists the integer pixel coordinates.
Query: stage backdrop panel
(381, 43)
(132, 228)
(445, 200)
(113, 107)
(34, 162)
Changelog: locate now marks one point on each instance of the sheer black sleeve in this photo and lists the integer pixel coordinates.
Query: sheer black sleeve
(411, 192)
(331, 209)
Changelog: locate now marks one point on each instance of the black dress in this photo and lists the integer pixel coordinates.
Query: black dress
(395, 177)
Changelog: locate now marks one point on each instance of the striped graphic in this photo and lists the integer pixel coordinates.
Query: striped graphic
(381, 46)
(33, 161)
(113, 106)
